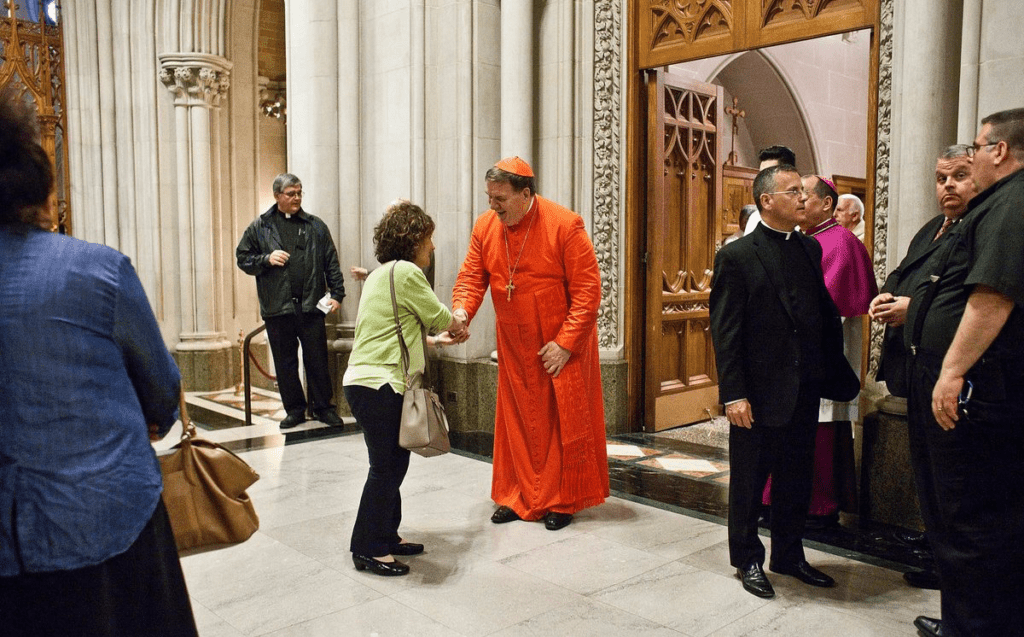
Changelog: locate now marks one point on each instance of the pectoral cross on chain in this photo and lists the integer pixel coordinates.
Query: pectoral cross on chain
(510, 288)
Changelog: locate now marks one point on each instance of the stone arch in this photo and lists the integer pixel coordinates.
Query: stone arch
(757, 73)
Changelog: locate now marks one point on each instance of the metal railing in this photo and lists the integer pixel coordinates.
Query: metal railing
(247, 357)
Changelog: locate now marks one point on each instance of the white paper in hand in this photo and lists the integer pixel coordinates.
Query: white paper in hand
(324, 304)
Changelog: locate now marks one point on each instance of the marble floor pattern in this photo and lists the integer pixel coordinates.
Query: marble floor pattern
(622, 568)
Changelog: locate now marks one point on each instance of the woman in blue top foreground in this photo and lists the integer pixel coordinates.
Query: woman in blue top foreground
(85, 543)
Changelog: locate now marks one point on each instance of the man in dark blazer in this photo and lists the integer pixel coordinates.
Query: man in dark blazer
(779, 349)
(954, 188)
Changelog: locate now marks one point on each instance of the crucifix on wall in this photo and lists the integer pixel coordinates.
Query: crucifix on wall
(737, 114)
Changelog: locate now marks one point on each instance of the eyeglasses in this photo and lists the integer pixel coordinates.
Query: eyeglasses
(293, 195)
(973, 149)
(794, 192)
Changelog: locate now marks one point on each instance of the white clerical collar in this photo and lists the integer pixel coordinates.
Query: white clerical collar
(783, 232)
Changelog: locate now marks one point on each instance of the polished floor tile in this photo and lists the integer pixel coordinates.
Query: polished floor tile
(652, 560)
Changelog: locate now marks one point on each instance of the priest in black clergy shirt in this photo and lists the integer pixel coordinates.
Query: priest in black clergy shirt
(779, 349)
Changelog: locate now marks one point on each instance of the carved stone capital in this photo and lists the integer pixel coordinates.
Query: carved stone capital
(273, 98)
(195, 79)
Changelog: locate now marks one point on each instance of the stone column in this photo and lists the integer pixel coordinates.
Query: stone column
(517, 79)
(198, 83)
(925, 97)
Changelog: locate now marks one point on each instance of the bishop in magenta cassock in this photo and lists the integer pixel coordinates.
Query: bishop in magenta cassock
(550, 459)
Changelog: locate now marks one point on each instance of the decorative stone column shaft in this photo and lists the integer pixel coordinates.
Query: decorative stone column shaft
(198, 83)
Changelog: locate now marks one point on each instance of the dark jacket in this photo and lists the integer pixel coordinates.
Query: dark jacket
(892, 367)
(754, 331)
(319, 260)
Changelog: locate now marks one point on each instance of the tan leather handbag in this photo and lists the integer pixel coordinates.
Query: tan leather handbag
(204, 491)
(424, 428)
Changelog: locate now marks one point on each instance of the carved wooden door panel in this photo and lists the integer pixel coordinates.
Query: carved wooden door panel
(737, 191)
(684, 225)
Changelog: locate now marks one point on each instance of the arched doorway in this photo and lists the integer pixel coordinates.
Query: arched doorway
(672, 379)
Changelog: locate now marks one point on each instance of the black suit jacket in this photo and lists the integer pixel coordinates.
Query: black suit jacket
(892, 367)
(754, 330)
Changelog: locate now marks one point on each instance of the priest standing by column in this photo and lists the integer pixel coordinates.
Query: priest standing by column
(550, 459)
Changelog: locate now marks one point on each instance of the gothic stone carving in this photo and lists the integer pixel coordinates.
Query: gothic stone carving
(196, 80)
(607, 149)
(882, 167)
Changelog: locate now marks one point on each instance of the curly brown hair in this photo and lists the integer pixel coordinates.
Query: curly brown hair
(26, 173)
(401, 231)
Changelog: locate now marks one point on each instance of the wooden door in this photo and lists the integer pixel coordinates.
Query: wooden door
(737, 191)
(684, 224)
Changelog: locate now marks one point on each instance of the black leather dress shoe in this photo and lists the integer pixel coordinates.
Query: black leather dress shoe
(755, 581)
(929, 627)
(805, 573)
(922, 579)
(375, 566)
(292, 420)
(912, 538)
(554, 521)
(330, 417)
(406, 548)
(503, 515)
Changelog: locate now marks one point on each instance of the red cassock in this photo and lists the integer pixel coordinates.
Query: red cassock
(549, 433)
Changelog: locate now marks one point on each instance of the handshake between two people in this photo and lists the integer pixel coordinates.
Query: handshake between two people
(457, 331)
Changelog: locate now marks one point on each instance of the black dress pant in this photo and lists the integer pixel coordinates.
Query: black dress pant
(379, 413)
(970, 483)
(139, 592)
(787, 453)
(284, 334)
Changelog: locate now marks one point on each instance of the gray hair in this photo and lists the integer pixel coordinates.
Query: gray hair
(954, 151)
(855, 198)
(285, 180)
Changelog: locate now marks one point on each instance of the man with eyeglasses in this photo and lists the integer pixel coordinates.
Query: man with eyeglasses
(778, 349)
(292, 256)
(965, 333)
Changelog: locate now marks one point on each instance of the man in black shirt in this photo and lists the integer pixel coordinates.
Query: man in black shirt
(292, 256)
(965, 332)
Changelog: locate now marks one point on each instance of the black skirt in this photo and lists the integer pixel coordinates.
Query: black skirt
(139, 592)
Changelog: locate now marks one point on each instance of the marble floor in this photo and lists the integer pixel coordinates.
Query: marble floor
(631, 566)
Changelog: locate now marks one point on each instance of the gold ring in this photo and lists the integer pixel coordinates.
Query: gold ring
(941, 409)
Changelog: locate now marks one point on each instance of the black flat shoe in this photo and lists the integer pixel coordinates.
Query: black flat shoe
(375, 566)
(292, 420)
(805, 573)
(754, 581)
(929, 627)
(554, 521)
(922, 579)
(503, 515)
(406, 548)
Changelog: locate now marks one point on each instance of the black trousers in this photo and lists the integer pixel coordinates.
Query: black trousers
(139, 592)
(970, 483)
(379, 413)
(284, 334)
(787, 453)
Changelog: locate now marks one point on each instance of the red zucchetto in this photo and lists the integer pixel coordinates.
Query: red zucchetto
(516, 166)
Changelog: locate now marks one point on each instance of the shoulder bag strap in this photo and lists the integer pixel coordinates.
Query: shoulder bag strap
(401, 340)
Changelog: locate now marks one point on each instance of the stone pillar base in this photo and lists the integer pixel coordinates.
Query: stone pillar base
(211, 369)
(888, 492)
(469, 391)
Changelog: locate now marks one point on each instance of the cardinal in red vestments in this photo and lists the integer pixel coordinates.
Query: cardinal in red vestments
(550, 459)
